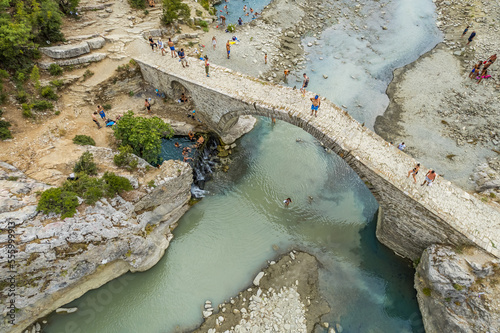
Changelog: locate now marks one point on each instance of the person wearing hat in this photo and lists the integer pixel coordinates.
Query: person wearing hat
(316, 102)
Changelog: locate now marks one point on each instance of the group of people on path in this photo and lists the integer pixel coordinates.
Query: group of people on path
(108, 122)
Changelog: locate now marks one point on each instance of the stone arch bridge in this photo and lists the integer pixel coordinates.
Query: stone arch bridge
(411, 217)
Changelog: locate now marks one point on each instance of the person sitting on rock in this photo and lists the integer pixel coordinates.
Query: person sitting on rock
(191, 135)
(200, 141)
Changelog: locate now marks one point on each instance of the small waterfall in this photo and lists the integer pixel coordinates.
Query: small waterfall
(204, 161)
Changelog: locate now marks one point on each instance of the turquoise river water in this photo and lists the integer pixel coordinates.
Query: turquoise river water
(224, 240)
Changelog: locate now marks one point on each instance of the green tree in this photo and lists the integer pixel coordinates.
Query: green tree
(35, 77)
(143, 135)
(173, 9)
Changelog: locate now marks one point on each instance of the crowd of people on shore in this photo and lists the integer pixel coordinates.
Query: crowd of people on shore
(480, 69)
(108, 122)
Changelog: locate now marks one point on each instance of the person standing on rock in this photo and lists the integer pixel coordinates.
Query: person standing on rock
(94, 119)
(402, 146)
(228, 48)
(414, 172)
(265, 58)
(183, 59)
(429, 178)
(475, 70)
(471, 37)
(214, 42)
(172, 48)
(465, 31)
(147, 105)
(207, 66)
(240, 21)
(304, 85)
(316, 102)
(101, 113)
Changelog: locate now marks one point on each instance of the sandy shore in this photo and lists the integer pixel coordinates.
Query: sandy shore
(447, 120)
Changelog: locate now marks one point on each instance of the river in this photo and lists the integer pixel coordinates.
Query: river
(222, 242)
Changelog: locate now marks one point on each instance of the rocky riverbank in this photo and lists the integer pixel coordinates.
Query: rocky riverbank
(458, 290)
(447, 120)
(58, 260)
(284, 297)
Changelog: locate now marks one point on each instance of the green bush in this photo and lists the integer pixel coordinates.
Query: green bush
(55, 200)
(57, 83)
(3, 97)
(143, 135)
(231, 27)
(206, 4)
(426, 291)
(88, 73)
(199, 12)
(22, 96)
(35, 77)
(125, 158)
(203, 24)
(55, 70)
(49, 93)
(90, 189)
(4, 129)
(173, 9)
(137, 4)
(27, 110)
(86, 164)
(83, 140)
(106, 107)
(115, 184)
(42, 105)
(206, 29)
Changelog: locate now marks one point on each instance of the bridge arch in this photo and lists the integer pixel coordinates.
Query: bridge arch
(411, 217)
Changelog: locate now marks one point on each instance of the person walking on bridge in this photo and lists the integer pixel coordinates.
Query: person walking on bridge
(429, 178)
(172, 48)
(316, 102)
(304, 85)
(183, 59)
(207, 66)
(414, 172)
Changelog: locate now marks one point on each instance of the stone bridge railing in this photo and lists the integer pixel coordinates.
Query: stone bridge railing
(411, 216)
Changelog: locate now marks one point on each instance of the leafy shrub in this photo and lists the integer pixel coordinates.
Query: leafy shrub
(173, 9)
(203, 24)
(199, 12)
(4, 129)
(230, 27)
(206, 4)
(115, 184)
(88, 73)
(143, 135)
(3, 97)
(55, 70)
(83, 140)
(42, 105)
(22, 96)
(49, 93)
(57, 83)
(146, 12)
(86, 164)
(123, 68)
(131, 93)
(88, 188)
(106, 107)
(132, 62)
(55, 200)
(27, 110)
(125, 158)
(4, 74)
(35, 77)
(137, 4)
(206, 29)
(426, 291)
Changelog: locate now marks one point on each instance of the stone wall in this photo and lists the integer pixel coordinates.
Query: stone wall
(412, 217)
(58, 260)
